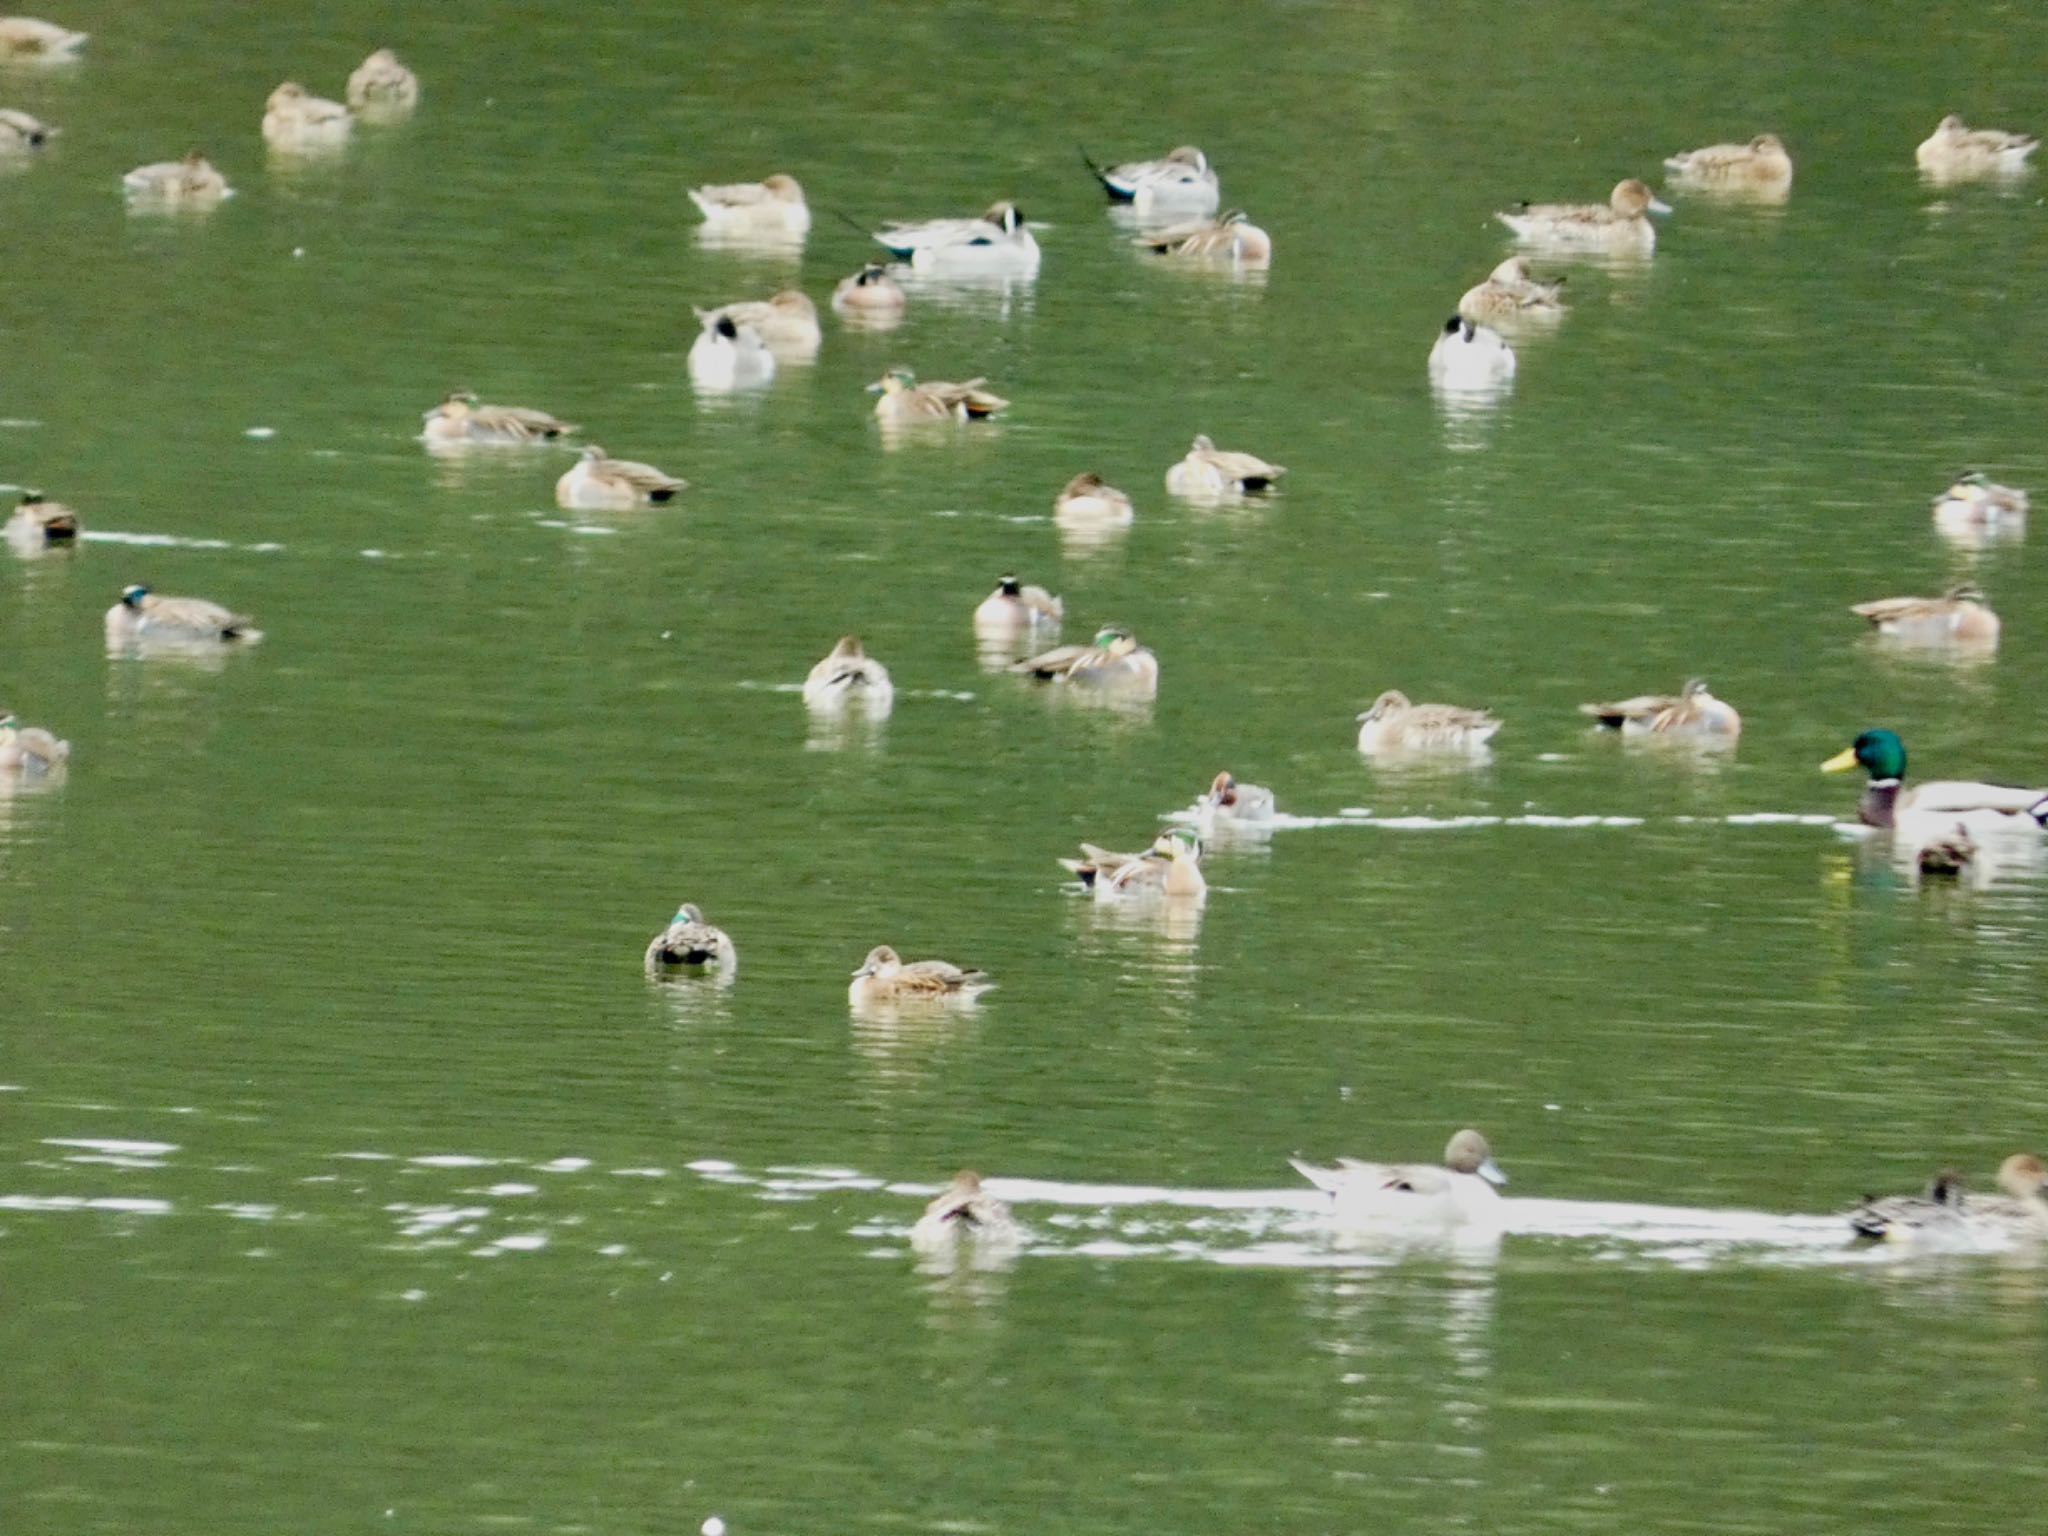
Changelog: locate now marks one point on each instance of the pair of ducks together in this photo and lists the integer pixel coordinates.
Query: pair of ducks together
(1394, 725)
(691, 944)
(596, 482)
(1114, 661)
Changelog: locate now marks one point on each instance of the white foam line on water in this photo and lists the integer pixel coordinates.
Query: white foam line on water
(1356, 816)
(131, 1205)
(452, 1160)
(111, 1144)
(170, 541)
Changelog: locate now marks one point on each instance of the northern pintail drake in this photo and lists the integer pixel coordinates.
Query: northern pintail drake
(37, 521)
(786, 321)
(1692, 711)
(964, 1209)
(870, 293)
(382, 89)
(188, 183)
(1170, 867)
(459, 418)
(142, 615)
(294, 118)
(1620, 225)
(1961, 618)
(849, 674)
(1887, 801)
(884, 977)
(20, 133)
(998, 244)
(1946, 1215)
(1232, 238)
(729, 355)
(1211, 471)
(29, 749)
(1393, 725)
(1761, 164)
(689, 943)
(24, 37)
(1954, 152)
(1469, 356)
(772, 206)
(1180, 181)
(1015, 606)
(1461, 1189)
(1088, 498)
(1976, 504)
(1511, 294)
(1228, 801)
(904, 400)
(597, 482)
(1115, 661)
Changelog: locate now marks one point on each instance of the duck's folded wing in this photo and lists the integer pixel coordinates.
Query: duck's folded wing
(1894, 608)
(1953, 796)
(905, 238)
(1053, 662)
(1642, 707)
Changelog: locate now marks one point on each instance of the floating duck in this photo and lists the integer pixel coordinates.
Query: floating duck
(1233, 238)
(37, 522)
(1228, 801)
(964, 1209)
(1088, 498)
(142, 616)
(998, 244)
(1621, 225)
(1209, 471)
(1460, 1190)
(460, 419)
(1114, 662)
(884, 977)
(727, 355)
(188, 183)
(1954, 152)
(381, 89)
(689, 943)
(1180, 181)
(774, 206)
(1692, 712)
(1887, 802)
(29, 749)
(24, 38)
(904, 400)
(786, 321)
(1975, 505)
(1512, 294)
(1014, 606)
(849, 674)
(20, 133)
(1394, 726)
(871, 294)
(1961, 619)
(1170, 867)
(598, 482)
(294, 118)
(1946, 1216)
(1761, 165)
(1468, 356)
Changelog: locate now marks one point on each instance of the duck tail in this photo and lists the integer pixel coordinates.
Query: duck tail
(1102, 176)
(1322, 1178)
(2039, 811)
(1869, 1223)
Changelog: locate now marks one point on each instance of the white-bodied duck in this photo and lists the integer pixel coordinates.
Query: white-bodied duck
(871, 295)
(1887, 802)
(1017, 607)
(27, 39)
(998, 244)
(729, 355)
(1180, 181)
(787, 321)
(188, 183)
(1460, 1190)
(1976, 505)
(29, 749)
(773, 206)
(1470, 357)
(847, 675)
(294, 118)
(381, 89)
(1957, 152)
(142, 616)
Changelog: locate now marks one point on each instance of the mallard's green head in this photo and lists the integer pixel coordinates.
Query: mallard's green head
(1880, 753)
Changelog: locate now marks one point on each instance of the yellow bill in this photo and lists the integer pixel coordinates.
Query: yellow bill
(1841, 762)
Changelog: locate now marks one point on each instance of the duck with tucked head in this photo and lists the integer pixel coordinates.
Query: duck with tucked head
(1460, 1190)
(885, 977)
(998, 244)
(905, 401)
(870, 295)
(381, 89)
(1180, 181)
(142, 616)
(37, 522)
(1015, 607)
(1956, 152)
(787, 321)
(294, 118)
(1208, 472)
(1887, 802)
(690, 944)
(459, 418)
(1088, 500)
(29, 749)
(1621, 225)
(1975, 505)
(961, 1212)
(25, 38)
(1512, 295)
(188, 183)
(1945, 1216)
(1760, 167)
(600, 483)
(1233, 238)
(1692, 712)
(849, 675)
(774, 205)
(1960, 619)
(1113, 662)
(1394, 726)
(1470, 357)
(1171, 867)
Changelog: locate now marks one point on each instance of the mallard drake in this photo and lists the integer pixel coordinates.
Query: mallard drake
(1469, 356)
(37, 522)
(20, 133)
(690, 943)
(847, 673)
(885, 978)
(1114, 661)
(29, 749)
(1015, 606)
(1229, 801)
(1393, 725)
(1180, 181)
(1088, 498)
(381, 88)
(142, 615)
(188, 183)
(1887, 802)
(1692, 712)
(1975, 504)
(1512, 294)
(1954, 152)
(961, 1209)
(599, 482)
(1211, 471)
(998, 244)
(24, 37)
(1233, 238)
(1620, 225)
(1944, 1214)
(1461, 1189)
(1170, 867)
(871, 292)
(1961, 618)
(786, 321)
(904, 400)
(772, 206)
(460, 419)
(294, 118)
(1761, 163)
(727, 355)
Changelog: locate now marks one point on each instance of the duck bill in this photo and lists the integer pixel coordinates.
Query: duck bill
(1658, 205)
(1491, 1172)
(877, 387)
(1841, 762)
(866, 970)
